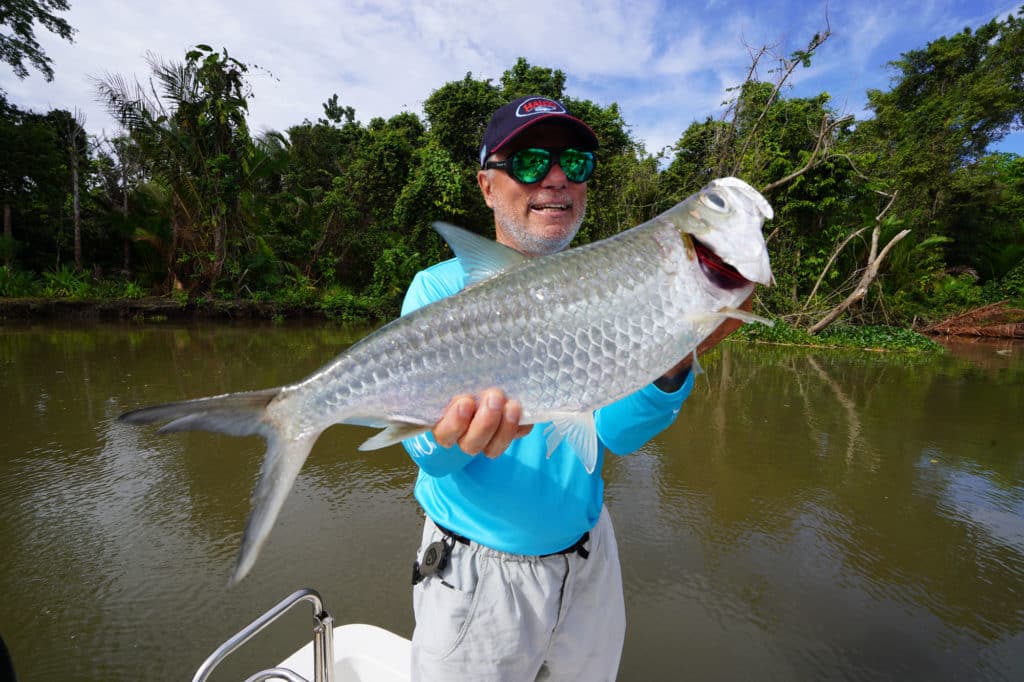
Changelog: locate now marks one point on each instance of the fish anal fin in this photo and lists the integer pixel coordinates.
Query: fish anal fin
(396, 431)
(580, 430)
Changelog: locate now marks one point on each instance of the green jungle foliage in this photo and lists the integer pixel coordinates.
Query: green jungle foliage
(335, 214)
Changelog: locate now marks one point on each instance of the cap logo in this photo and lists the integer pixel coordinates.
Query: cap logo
(539, 105)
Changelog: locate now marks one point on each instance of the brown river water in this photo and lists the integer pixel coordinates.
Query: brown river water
(812, 514)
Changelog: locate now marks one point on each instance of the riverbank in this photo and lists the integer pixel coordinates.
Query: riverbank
(157, 309)
(149, 309)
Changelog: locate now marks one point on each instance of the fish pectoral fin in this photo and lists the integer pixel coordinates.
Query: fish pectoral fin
(580, 430)
(695, 366)
(745, 316)
(396, 431)
(726, 313)
(481, 258)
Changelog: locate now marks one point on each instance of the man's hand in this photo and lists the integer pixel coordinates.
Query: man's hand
(488, 424)
(674, 378)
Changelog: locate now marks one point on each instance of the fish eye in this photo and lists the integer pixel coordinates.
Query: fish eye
(713, 200)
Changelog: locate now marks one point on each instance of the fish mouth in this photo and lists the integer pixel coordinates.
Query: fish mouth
(718, 272)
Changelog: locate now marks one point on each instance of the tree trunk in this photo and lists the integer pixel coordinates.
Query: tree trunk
(219, 251)
(126, 264)
(7, 231)
(76, 212)
(8, 234)
(172, 253)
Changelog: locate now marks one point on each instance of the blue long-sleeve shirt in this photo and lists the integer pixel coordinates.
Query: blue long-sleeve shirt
(522, 501)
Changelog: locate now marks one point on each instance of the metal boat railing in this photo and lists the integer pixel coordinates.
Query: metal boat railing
(323, 642)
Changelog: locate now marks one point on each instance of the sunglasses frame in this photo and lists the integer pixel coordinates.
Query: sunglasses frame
(554, 156)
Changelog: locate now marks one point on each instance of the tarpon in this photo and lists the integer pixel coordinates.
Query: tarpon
(563, 334)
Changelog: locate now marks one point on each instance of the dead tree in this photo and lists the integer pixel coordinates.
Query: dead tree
(868, 275)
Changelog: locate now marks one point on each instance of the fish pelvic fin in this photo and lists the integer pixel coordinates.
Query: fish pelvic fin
(395, 432)
(281, 465)
(580, 430)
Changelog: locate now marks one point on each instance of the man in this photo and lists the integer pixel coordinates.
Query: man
(517, 576)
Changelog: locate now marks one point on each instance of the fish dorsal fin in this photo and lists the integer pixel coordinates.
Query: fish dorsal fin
(580, 430)
(481, 258)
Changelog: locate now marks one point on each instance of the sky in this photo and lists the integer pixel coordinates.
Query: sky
(666, 63)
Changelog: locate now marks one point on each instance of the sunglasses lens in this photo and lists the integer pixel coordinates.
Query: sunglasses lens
(577, 165)
(531, 165)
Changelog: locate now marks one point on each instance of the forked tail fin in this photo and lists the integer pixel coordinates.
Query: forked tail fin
(281, 466)
(236, 414)
(241, 414)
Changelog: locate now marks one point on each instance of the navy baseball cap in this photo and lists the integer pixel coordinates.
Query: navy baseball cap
(524, 112)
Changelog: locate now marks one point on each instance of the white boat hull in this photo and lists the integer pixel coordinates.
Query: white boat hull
(362, 653)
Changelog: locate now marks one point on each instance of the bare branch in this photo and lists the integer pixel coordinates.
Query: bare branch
(818, 40)
(832, 258)
(821, 145)
(870, 272)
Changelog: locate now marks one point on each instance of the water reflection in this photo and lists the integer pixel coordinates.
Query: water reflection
(823, 499)
(811, 515)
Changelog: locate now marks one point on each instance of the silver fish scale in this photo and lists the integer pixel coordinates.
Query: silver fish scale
(567, 333)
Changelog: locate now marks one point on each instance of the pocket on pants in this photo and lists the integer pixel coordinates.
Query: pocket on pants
(444, 603)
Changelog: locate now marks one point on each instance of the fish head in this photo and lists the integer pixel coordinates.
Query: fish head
(724, 219)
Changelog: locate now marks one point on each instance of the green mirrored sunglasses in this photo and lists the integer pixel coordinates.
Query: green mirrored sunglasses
(533, 163)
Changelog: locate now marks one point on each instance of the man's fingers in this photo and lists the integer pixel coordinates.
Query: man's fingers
(506, 431)
(488, 424)
(485, 423)
(455, 421)
(523, 430)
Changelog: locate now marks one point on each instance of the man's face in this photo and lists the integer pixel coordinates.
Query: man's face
(544, 216)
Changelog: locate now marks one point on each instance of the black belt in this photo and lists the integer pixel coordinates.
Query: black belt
(575, 548)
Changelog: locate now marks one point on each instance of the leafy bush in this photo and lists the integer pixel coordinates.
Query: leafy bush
(392, 273)
(298, 290)
(16, 283)
(179, 296)
(118, 289)
(132, 290)
(953, 293)
(1011, 286)
(65, 283)
(8, 248)
(339, 303)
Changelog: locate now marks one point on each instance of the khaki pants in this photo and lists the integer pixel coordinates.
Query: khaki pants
(509, 617)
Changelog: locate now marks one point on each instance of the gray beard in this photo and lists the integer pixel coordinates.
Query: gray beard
(530, 244)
